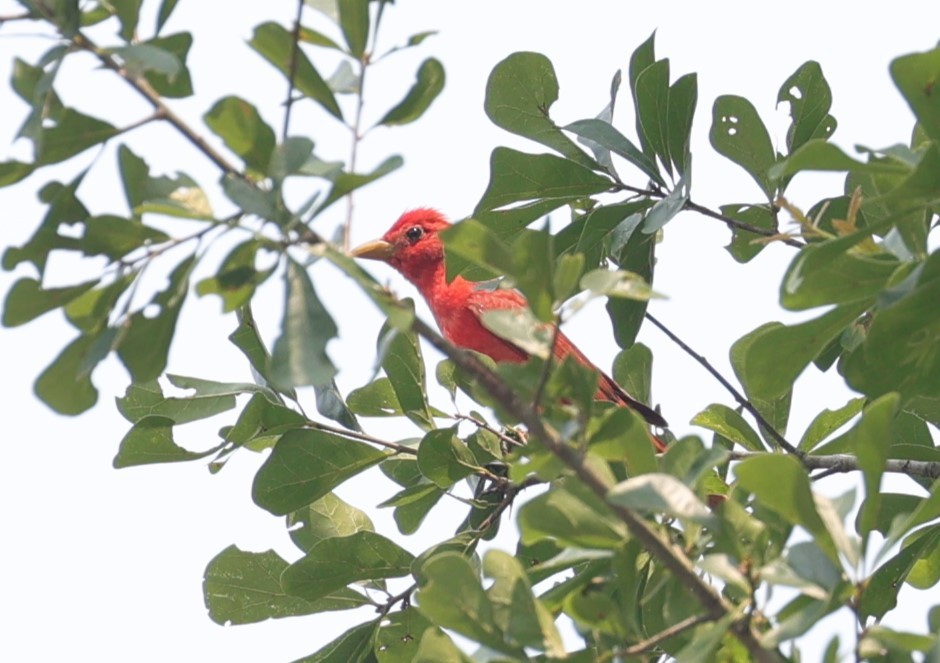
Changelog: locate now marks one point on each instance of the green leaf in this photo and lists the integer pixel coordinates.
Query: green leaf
(661, 493)
(237, 279)
(173, 196)
(333, 563)
(519, 93)
(146, 342)
(243, 130)
(12, 172)
(437, 647)
(305, 465)
(147, 400)
(428, 84)
(404, 366)
(128, 13)
(881, 591)
(607, 136)
(353, 646)
(65, 385)
(451, 596)
(729, 424)
(412, 505)
(746, 244)
(651, 93)
(788, 494)
(810, 99)
(869, 439)
(163, 15)
(244, 587)
(115, 237)
(827, 422)
(139, 59)
(73, 133)
(444, 458)
(27, 300)
(633, 370)
(276, 45)
(617, 283)
(376, 399)
(821, 155)
(149, 441)
(777, 354)
(683, 96)
(739, 134)
(634, 252)
(179, 84)
(344, 183)
(561, 515)
(299, 356)
(399, 639)
(516, 176)
(916, 75)
(471, 241)
(354, 21)
(330, 404)
(900, 350)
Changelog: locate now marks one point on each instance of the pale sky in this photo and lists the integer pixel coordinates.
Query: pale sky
(107, 565)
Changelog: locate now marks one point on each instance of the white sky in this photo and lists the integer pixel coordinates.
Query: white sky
(106, 565)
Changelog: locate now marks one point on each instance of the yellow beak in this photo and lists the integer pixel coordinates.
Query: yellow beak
(377, 249)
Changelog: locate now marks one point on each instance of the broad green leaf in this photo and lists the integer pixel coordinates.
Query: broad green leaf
(179, 84)
(166, 10)
(776, 356)
(633, 370)
(115, 237)
(607, 136)
(869, 438)
(617, 283)
(643, 56)
(344, 183)
(788, 494)
(739, 134)
(808, 94)
(915, 75)
(149, 441)
(173, 196)
(729, 424)
(705, 641)
(412, 505)
(237, 278)
(128, 13)
(651, 90)
(145, 345)
(244, 587)
(819, 154)
(305, 465)
(428, 84)
(683, 97)
(73, 133)
(519, 93)
(402, 362)
(828, 421)
(330, 404)
(311, 36)
(444, 458)
(661, 493)
(399, 639)
(333, 563)
(299, 355)
(634, 252)
(881, 591)
(746, 244)
(900, 350)
(473, 242)
(376, 399)
(775, 410)
(27, 300)
(568, 520)
(12, 172)
(65, 385)
(243, 130)
(139, 59)
(353, 646)
(354, 21)
(437, 647)
(451, 596)
(517, 176)
(262, 422)
(521, 328)
(147, 400)
(518, 614)
(276, 45)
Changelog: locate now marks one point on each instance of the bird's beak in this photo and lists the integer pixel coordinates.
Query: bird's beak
(377, 249)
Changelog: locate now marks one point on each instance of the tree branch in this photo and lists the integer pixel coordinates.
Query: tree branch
(646, 645)
(738, 396)
(842, 463)
(668, 554)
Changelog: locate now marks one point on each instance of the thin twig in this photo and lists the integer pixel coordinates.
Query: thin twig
(508, 498)
(646, 645)
(479, 423)
(843, 463)
(664, 551)
(363, 437)
(403, 597)
(738, 396)
(10, 18)
(292, 69)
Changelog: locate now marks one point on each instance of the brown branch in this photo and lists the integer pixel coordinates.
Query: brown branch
(738, 396)
(706, 211)
(646, 645)
(843, 463)
(665, 552)
(479, 423)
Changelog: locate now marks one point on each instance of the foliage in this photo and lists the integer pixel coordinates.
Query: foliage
(623, 538)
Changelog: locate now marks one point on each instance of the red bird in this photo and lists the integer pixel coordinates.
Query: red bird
(412, 246)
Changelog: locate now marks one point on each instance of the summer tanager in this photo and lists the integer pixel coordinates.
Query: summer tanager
(412, 246)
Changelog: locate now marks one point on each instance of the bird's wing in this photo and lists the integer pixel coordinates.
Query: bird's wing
(502, 299)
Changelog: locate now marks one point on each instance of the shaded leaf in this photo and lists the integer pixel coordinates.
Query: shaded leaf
(244, 131)
(149, 441)
(729, 424)
(661, 493)
(27, 300)
(427, 86)
(739, 134)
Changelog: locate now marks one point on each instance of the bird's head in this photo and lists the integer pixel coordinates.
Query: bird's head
(411, 245)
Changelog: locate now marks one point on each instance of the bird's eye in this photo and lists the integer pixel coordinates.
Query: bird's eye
(414, 233)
